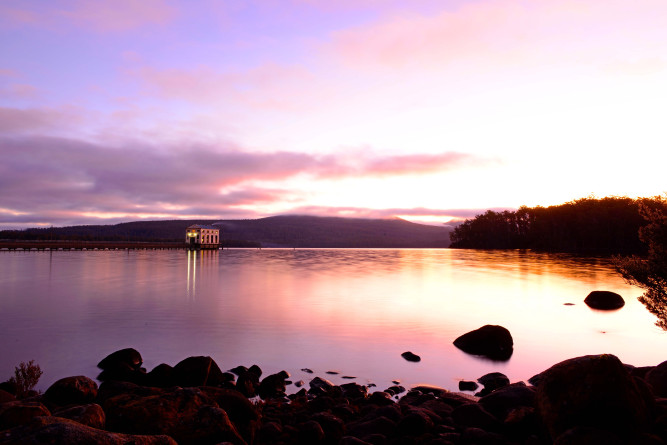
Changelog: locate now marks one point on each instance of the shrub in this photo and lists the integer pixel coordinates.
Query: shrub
(26, 376)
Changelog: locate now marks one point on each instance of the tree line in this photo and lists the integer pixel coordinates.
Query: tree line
(589, 225)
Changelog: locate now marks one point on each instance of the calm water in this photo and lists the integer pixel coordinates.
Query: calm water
(352, 311)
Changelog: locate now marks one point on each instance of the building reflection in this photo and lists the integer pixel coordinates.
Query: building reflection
(201, 265)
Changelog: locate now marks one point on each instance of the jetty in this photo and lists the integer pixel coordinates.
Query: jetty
(13, 245)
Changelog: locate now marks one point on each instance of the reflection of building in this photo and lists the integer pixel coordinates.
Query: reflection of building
(199, 236)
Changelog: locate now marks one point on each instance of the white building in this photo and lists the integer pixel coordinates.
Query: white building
(199, 236)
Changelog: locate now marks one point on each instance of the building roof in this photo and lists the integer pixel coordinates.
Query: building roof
(203, 226)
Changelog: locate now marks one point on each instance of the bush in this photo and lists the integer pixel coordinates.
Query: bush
(26, 376)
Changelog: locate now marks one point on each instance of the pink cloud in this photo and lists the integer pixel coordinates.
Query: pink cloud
(503, 32)
(99, 16)
(120, 15)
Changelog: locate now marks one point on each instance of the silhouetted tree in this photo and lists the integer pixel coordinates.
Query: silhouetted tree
(650, 272)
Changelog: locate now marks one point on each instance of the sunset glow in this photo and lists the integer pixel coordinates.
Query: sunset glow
(426, 110)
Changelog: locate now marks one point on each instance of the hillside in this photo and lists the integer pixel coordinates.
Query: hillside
(276, 231)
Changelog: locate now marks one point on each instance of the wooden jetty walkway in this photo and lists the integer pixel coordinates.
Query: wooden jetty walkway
(90, 245)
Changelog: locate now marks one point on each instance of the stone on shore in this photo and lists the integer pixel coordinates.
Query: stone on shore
(197, 371)
(76, 390)
(494, 342)
(657, 379)
(90, 415)
(604, 300)
(56, 430)
(593, 391)
(411, 357)
(186, 414)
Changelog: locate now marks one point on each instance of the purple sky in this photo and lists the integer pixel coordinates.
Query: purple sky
(429, 110)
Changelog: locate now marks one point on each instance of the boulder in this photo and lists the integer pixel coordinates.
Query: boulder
(467, 386)
(162, 376)
(6, 396)
(411, 357)
(491, 382)
(273, 386)
(504, 400)
(186, 414)
(127, 357)
(76, 390)
(657, 379)
(56, 430)
(494, 342)
(20, 412)
(594, 391)
(90, 415)
(473, 415)
(197, 371)
(318, 384)
(604, 300)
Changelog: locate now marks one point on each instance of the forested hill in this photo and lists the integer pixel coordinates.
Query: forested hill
(276, 231)
(606, 226)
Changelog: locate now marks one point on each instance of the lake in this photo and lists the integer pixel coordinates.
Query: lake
(353, 311)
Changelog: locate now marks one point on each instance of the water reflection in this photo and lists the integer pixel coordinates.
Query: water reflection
(208, 263)
(351, 310)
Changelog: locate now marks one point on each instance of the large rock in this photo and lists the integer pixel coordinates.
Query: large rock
(186, 414)
(657, 379)
(504, 400)
(123, 365)
(604, 300)
(20, 412)
(76, 390)
(198, 371)
(273, 386)
(56, 430)
(494, 342)
(90, 415)
(593, 391)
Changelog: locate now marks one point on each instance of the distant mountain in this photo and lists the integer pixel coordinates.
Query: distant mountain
(275, 231)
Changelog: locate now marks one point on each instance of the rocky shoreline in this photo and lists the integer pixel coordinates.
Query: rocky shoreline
(584, 400)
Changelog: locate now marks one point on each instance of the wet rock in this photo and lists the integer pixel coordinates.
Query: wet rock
(20, 412)
(502, 401)
(479, 436)
(490, 341)
(592, 391)
(197, 371)
(491, 382)
(394, 390)
(320, 384)
(473, 415)
(467, 386)
(310, 432)
(90, 415)
(380, 398)
(332, 426)
(354, 390)
(378, 425)
(162, 376)
(247, 383)
(604, 300)
(409, 356)
(307, 370)
(127, 357)
(56, 430)
(657, 379)
(186, 414)
(77, 390)
(273, 386)
(241, 411)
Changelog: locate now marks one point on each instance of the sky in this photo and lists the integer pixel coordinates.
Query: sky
(427, 110)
